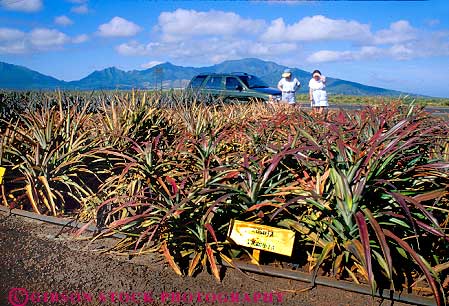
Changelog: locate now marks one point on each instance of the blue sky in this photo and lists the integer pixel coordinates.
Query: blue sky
(402, 45)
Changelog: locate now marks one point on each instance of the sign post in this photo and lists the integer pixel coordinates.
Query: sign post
(2, 173)
(261, 238)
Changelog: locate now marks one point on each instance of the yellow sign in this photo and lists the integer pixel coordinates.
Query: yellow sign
(2, 173)
(262, 237)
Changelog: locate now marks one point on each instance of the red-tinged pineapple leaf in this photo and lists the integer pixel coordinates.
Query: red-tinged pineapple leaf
(306, 175)
(382, 241)
(121, 222)
(213, 265)
(400, 199)
(341, 117)
(231, 174)
(228, 260)
(285, 205)
(364, 237)
(417, 204)
(437, 269)
(432, 230)
(216, 203)
(274, 163)
(446, 282)
(342, 148)
(106, 203)
(434, 194)
(170, 259)
(83, 228)
(142, 236)
(163, 185)
(210, 229)
(421, 264)
(194, 263)
(356, 248)
(118, 154)
(172, 182)
(257, 206)
(422, 225)
(442, 165)
(324, 253)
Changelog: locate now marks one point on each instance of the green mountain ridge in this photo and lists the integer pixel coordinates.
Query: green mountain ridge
(14, 77)
(168, 75)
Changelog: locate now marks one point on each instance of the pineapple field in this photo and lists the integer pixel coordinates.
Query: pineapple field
(364, 191)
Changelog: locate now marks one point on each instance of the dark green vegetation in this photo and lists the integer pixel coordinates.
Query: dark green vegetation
(365, 191)
(171, 76)
(335, 99)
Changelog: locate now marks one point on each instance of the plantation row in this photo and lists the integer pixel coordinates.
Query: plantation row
(366, 192)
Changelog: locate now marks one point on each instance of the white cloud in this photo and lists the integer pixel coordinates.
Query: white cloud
(81, 9)
(399, 32)
(150, 64)
(427, 45)
(368, 52)
(118, 27)
(317, 28)
(401, 41)
(180, 24)
(63, 20)
(21, 5)
(13, 41)
(42, 38)
(206, 50)
(433, 22)
(404, 51)
(132, 48)
(15, 47)
(323, 56)
(435, 44)
(7, 34)
(213, 36)
(204, 37)
(80, 39)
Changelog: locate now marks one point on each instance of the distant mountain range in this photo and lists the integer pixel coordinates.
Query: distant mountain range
(171, 76)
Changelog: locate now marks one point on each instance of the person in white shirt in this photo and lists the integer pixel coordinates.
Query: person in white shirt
(288, 86)
(317, 92)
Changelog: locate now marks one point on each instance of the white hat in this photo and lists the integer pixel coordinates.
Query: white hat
(287, 73)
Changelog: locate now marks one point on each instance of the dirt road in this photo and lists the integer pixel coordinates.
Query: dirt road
(39, 266)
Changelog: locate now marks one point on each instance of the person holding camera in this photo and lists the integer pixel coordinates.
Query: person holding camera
(317, 92)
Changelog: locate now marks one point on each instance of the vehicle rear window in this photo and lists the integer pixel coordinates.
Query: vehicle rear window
(196, 82)
(232, 83)
(213, 83)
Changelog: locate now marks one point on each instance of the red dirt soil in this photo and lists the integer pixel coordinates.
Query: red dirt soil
(58, 269)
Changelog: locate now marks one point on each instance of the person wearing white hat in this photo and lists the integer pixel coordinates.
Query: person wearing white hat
(317, 92)
(288, 86)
